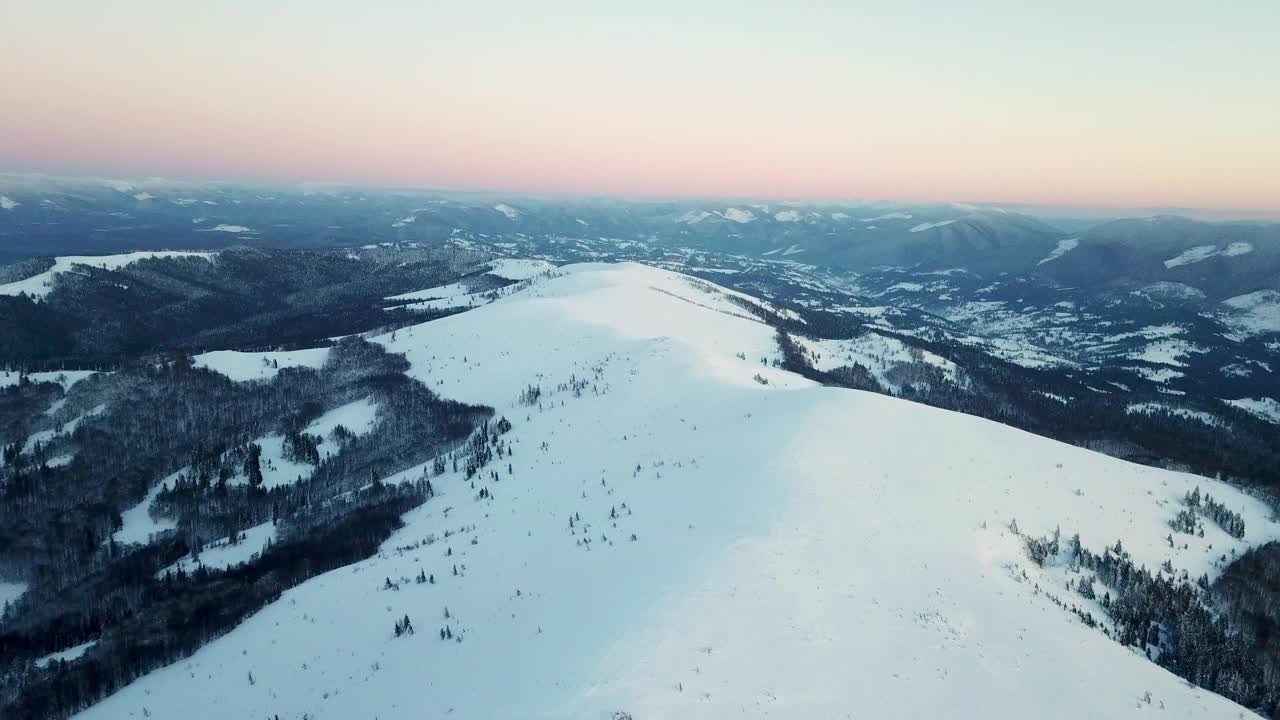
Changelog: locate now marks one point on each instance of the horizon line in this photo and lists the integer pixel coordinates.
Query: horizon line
(1041, 209)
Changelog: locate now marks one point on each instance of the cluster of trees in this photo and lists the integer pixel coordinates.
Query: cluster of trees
(141, 637)
(1188, 627)
(57, 524)
(249, 298)
(1229, 520)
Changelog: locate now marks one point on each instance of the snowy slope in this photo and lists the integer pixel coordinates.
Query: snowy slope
(794, 554)
(38, 286)
(138, 524)
(224, 553)
(65, 378)
(245, 366)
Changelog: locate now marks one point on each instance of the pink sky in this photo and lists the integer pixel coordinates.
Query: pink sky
(765, 108)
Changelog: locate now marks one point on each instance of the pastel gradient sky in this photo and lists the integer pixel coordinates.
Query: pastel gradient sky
(1088, 102)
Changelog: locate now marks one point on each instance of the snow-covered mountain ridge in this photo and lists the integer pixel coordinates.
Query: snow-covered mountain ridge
(688, 531)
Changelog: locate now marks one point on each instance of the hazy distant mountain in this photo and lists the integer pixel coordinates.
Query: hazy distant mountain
(1208, 260)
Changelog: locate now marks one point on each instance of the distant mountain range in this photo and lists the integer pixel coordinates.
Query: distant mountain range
(1183, 258)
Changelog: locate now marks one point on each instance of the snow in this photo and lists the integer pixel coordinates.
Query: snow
(144, 196)
(519, 268)
(468, 301)
(452, 290)
(787, 216)
(1064, 247)
(1149, 408)
(247, 366)
(507, 210)
(693, 216)
(67, 655)
(839, 216)
(1255, 312)
(878, 353)
(10, 592)
(1166, 352)
(38, 286)
(223, 554)
(930, 225)
(359, 417)
(793, 250)
(138, 524)
(737, 215)
(1266, 408)
(44, 436)
(65, 378)
(6, 203)
(224, 227)
(1204, 252)
(888, 216)
(1161, 291)
(1161, 375)
(277, 470)
(789, 538)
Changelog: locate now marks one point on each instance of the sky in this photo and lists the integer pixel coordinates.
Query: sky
(1115, 103)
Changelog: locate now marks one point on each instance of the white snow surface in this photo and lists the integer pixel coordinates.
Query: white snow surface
(737, 215)
(139, 525)
(65, 378)
(40, 285)
(1063, 247)
(452, 290)
(796, 554)
(510, 212)
(359, 417)
(10, 592)
(1150, 408)
(693, 216)
(224, 227)
(246, 366)
(224, 553)
(7, 203)
(519, 268)
(1255, 312)
(930, 225)
(66, 429)
(878, 353)
(787, 216)
(888, 216)
(1266, 408)
(1204, 252)
(67, 655)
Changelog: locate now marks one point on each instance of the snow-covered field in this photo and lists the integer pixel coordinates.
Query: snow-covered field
(1204, 252)
(743, 544)
(10, 591)
(224, 553)
(1256, 312)
(359, 417)
(877, 353)
(245, 366)
(519, 268)
(1063, 247)
(67, 655)
(38, 286)
(1148, 408)
(1266, 408)
(138, 524)
(65, 378)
